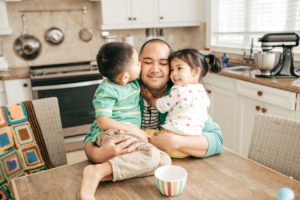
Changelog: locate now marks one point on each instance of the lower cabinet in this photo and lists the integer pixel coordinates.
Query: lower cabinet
(234, 104)
(17, 90)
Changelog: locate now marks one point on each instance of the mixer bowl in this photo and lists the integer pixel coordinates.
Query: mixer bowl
(266, 61)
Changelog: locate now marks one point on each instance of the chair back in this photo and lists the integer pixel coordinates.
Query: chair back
(275, 143)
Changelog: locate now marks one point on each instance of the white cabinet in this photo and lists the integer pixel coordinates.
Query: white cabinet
(223, 107)
(2, 94)
(234, 104)
(178, 12)
(123, 14)
(17, 90)
(133, 14)
(4, 25)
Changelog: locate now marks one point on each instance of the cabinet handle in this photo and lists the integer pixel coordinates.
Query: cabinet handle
(263, 110)
(25, 85)
(129, 18)
(257, 108)
(134, 18)
(161, 17)
(259, 93)
(208, 91)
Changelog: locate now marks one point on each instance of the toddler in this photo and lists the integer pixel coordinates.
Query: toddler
(116, 103)
(187, 102)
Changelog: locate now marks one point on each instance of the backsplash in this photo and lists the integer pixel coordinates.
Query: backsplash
(72, 49)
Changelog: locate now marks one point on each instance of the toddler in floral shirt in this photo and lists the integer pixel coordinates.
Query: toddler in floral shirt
(187, 102)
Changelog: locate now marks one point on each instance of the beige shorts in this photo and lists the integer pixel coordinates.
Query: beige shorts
(141, 162)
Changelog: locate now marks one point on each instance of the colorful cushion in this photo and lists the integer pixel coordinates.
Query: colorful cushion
(6, 139)
(3, 120)
(31, 157)
(15, 115)
(2, 179)
(11, 164)
(5, 192)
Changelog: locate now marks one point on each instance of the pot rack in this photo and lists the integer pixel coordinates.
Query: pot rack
(83, 9)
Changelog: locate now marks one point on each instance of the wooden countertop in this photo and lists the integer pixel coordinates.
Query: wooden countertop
(224, 176)
(279, 83)
(15, 73)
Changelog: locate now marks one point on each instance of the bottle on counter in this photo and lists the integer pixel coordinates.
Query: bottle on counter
(224, 60)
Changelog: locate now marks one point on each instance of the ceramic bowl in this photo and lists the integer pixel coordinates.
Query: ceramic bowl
(170, 179)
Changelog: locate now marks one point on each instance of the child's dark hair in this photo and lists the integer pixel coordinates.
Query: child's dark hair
(195, 59)
(112, 59)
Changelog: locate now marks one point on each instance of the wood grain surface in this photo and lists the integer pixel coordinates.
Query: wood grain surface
(224, 176)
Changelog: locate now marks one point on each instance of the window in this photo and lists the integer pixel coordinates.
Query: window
(233, 23)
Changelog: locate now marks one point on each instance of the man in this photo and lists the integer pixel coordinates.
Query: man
(155, 77)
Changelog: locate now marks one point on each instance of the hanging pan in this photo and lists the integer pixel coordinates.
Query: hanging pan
(27, 46)
(85, 34)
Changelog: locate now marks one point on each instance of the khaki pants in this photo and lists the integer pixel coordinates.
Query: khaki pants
(141, 162)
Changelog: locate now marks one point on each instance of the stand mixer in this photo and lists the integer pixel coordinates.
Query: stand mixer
(285, 67)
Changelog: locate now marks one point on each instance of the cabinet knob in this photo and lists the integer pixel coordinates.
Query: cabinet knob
(257, 108)
(134, 18)
(208, 91)
(25, 85)
(129, 18)
(161, 17)
(263, 110)
(259, 93)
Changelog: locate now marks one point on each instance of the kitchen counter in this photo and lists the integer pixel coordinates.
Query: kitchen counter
(279, 83)
(15, 73)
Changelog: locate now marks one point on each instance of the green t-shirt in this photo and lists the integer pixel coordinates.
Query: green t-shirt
(120, 103)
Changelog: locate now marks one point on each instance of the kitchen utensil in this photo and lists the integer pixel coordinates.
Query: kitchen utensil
(85, 34)
(265, 62)
(54, 36)
(285, 68)
(27, 46)
(170, 179)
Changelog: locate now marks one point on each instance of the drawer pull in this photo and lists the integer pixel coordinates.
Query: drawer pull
(25, 85)
(161, 17)
(129, 18)
(134, 18)
(257, 108)
(263, 110)
(208, 91)
(259, 93)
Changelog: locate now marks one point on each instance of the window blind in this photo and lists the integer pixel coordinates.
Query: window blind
(234, 22)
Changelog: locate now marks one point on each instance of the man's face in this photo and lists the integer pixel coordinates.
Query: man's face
(155, 66)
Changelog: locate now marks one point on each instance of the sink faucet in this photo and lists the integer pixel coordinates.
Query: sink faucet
(249, 58)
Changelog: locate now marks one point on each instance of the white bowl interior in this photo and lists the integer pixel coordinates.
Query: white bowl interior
(170, 173)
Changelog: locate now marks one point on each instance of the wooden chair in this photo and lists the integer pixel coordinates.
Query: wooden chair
(275, 143)
(47, 114)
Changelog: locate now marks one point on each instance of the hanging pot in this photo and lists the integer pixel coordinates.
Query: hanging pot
(85, 34)
(27, 46)
(54, 36)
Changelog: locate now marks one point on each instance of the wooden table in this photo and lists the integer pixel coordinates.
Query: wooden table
(225, 176)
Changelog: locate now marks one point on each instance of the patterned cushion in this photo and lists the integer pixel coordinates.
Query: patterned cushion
(19, 153)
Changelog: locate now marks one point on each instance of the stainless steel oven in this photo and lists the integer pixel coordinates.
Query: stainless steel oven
(74, 85)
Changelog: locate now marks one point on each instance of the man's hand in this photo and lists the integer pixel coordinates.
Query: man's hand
(165, 141)
(120, 145)
(147, 95)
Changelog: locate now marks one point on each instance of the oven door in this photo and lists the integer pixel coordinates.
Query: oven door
(75, 103)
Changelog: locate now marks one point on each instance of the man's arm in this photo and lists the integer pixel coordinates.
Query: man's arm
(207, 144)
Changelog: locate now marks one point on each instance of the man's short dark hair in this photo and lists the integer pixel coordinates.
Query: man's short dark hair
(112, 59)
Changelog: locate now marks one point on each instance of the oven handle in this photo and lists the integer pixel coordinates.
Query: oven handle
(63, 86)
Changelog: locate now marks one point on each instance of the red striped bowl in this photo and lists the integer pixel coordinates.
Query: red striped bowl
(170, 179)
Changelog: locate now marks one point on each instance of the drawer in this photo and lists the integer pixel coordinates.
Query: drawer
(266, 94)
(220, 81)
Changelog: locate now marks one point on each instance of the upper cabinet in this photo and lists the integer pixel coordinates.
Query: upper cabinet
(4, 25)
(131, 14)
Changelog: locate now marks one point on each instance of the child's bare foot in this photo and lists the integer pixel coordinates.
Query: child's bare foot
(92, 175)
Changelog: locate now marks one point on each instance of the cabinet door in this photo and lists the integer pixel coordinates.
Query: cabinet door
(17, 90)
(181, 12)
(223, 112)
(116, 12)
(143, 12)
(4, 25)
